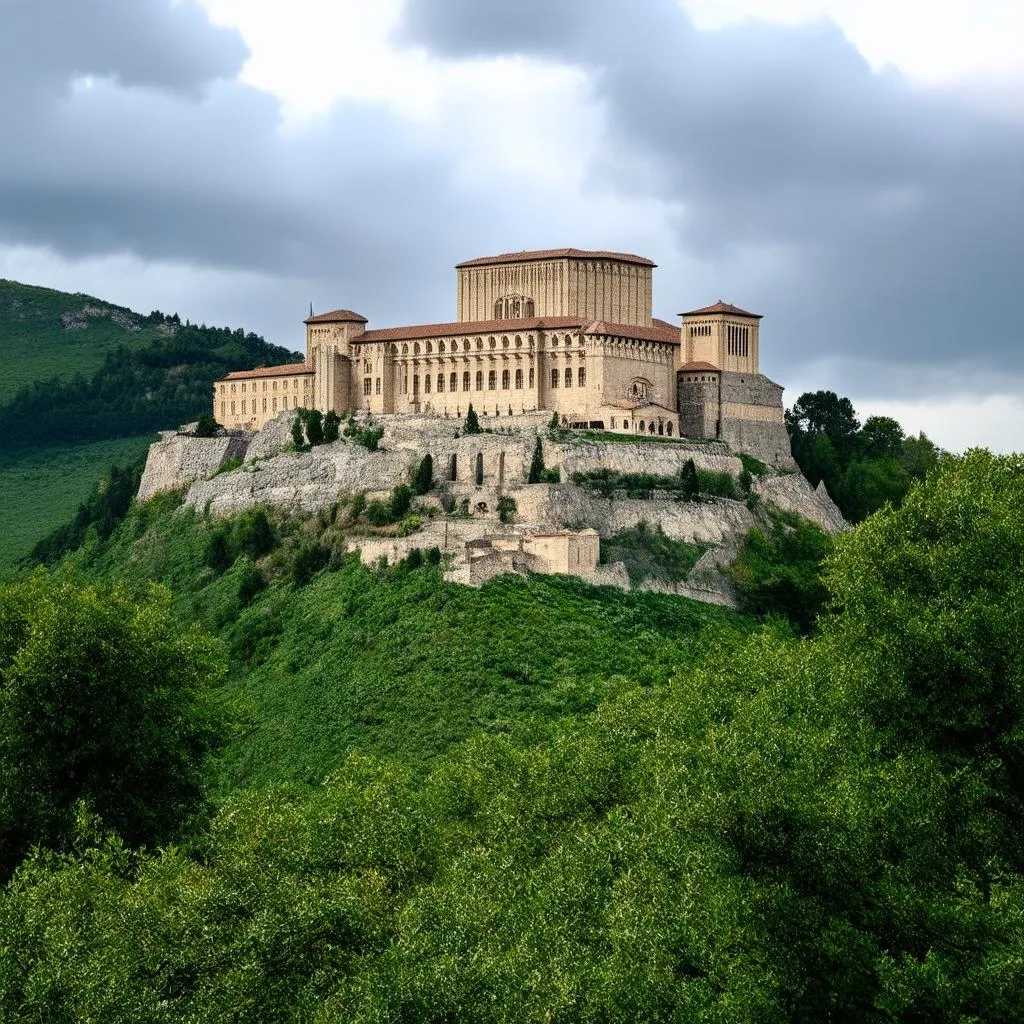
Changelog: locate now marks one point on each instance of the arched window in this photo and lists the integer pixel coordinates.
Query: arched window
(492, 380)
(519, 342)
(479, 343)
(668, 429)
(554, 341)
(568, 376)
(554, 378)
(504, 380)
(453, 382)
(504, 342)
(582, 377)
(440, 347)
(405, 350)
(440, 383)
(491, 343)
(650, 427)
(641, 426)
(426, 383)
(415, 385)
(479, 380)
(416, 349)
(519, 380)
(499, 309)
(465, 345)
(465, 381)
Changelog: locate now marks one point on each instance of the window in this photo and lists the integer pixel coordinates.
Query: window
(273, 385)
(531, 376)
(453, 381)
(367, 385)
(440, 383)
(426, 383)
(377, 387)
(222, 410)
(264, 385)
(415, 384)
(232, 408)
(465, 381)
(582, 377)
(568, 376)
(613, 423)
(440, 347)
(243, 406)
(295, 402)
(554, 378)
(479, 380)
(505, 377)
(492, 379)
(405, 382)
(232, 389)
(264, 403)
(519, 380)
(243, 387)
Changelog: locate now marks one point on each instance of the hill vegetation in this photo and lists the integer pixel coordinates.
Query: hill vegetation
(778, 828)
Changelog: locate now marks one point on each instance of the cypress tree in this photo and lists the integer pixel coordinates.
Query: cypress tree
(472, 423)
(536, 463)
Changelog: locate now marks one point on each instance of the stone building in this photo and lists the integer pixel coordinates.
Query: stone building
(559, 330)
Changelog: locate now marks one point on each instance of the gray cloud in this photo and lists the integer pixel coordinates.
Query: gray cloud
(893, 217)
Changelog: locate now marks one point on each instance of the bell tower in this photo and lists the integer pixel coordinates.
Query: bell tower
(723, 335)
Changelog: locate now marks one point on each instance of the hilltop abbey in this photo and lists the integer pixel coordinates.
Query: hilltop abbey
(561, 331)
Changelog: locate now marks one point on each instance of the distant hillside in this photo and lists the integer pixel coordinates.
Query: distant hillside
(91, 371)
(46, 333)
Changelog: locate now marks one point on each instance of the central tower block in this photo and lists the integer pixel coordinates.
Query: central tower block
(609, 286)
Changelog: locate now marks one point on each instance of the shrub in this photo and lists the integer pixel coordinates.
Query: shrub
(434, 555)
(553, 424)
(472, 424)
(507, 509)
(298, 438)
(414, 559)
(308, 560)
(206, 426)
(332, 426)
(536, 472)
(401, 501)
(690, 481)
(356, 506)
(314, 426)
(720, 484)
(408, 525)
(551, 476)
(378, 513)
(423, 479)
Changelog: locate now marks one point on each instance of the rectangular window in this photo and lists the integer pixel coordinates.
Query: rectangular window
(479, 380)
(426, 383)
(377, 386)
(440, 383)
(264, 385)
(275, 405)
(232, 408)
(531, 376)
(264, 403)
(554, 378)
(367, 385)
(367, 366)
(274, 385)
(415, 384)
(568, 376)
(222, 410)
(504, 380)
(492, 380)
(453, 382)
(519, 380)
(465, 381)
(583, 377)
(243, 387)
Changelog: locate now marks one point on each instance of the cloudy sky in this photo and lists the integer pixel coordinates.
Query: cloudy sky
(851, 169)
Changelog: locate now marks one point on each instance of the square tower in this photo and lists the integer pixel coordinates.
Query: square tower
(723, 335)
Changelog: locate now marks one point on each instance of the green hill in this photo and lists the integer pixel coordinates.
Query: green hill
(88, 385)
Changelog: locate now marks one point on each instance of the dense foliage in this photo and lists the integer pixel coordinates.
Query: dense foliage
(648, 554)
(101, 712)
(778, 570)
(135, 389)
(863, 466)
(812, 829)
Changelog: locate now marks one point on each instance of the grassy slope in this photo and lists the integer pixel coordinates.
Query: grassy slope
(42, 487)
(36, 346)
(400, 663)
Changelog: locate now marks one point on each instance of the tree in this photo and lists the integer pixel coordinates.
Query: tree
(315, 426)
(104, 704)
(536, 472)
(690, 481)
(423, 479)
(298, 439)
(332, 425)
(206, 426)
(401, 501)
(472, 424)
(881, 437)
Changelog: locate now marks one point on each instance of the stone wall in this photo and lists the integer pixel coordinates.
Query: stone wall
(179, 458)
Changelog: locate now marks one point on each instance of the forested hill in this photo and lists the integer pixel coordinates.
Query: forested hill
(87, 370)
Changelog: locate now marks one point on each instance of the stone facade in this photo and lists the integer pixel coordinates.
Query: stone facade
(559, 330)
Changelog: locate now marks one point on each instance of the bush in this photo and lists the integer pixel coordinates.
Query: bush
(314, 426)
(378, 513)
(434, 555)
(308, 560)
(472, 424)
(206, 426)
(414, 559)
(298, 438)
(423, 479)
(507, 509)
(719, 484)
(536, 471)
(332, 426)
(401, 501)
(408, 525)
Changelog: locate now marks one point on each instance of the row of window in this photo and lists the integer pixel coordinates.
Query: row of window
(513, 307)
(284, 386)
(253, 401)
(467, 379)
(492, 343)
(737, 340)
(700, 331)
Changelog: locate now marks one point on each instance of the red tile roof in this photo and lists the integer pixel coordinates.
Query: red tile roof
(667, 334)
(699, 365)
(533, 323)
(336, 316)
(722, 307)
(284, 370)
(665, 324)
(556, 254)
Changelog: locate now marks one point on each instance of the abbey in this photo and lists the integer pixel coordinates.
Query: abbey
(563, 331)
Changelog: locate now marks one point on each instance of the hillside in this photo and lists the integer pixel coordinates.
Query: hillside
(87, 385)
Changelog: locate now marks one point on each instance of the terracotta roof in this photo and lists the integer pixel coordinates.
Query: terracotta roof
(665, 324)
(667, 334)
(722, 307)
(533, 323)
(556, 254)
(336, 316)
(284, 370)
(699, 365)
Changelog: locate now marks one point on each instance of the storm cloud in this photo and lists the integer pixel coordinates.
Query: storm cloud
(890, 219)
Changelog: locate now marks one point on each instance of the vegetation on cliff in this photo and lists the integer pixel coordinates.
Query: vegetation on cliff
(794, 829)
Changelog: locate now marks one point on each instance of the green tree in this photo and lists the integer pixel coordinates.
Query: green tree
(472, 424)
(206, 426)
(690, 481)
(298, 438)
(401, 501)
(536, 471)
(332, 425)
(423, 479)
(881, 437)
(104, 702)
(315, 426)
